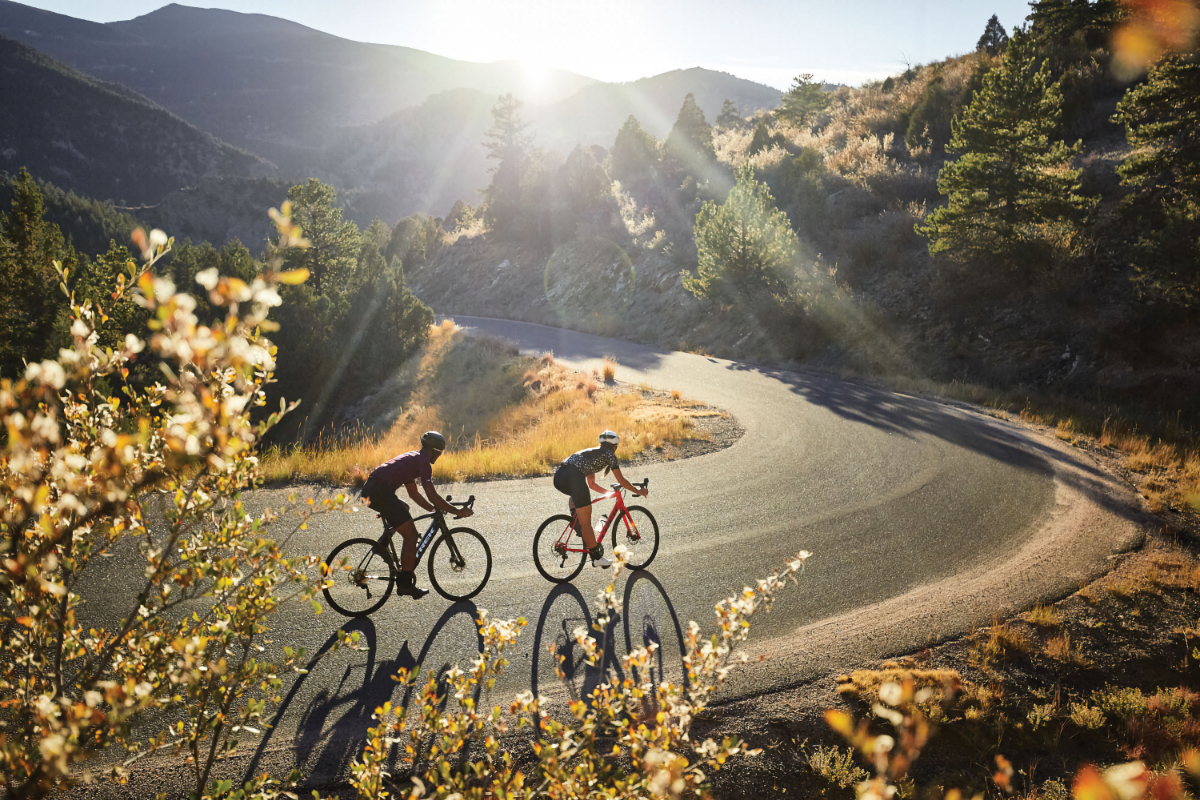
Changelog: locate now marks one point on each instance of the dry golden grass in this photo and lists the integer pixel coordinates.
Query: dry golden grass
(503, 415)
(864, 684)
(1059, 648)
(997, 643)
(609, 369)
(1065, 430)
(1043, 615)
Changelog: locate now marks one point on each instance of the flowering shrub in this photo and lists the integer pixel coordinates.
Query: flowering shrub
(83, 469)
(630, 738)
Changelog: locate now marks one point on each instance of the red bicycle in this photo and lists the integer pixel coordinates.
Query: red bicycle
(558, 548)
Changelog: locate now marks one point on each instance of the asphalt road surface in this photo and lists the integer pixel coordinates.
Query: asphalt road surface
(924, 518)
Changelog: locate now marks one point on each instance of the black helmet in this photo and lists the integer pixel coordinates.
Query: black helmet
(434, 441)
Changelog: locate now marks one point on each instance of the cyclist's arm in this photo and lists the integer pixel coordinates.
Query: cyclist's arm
(591, 479)
(416, 496)
(442, 505)
(629, 486)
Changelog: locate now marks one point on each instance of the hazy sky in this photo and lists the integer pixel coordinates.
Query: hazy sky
(770, 41)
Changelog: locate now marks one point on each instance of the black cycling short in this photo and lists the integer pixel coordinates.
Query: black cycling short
(572, 482)
(385, 503)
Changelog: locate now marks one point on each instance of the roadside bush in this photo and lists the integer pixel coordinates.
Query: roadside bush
(83, 471)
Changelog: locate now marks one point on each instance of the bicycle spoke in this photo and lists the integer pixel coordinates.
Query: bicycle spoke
(360, 578)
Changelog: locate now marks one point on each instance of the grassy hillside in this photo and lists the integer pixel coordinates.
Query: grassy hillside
(504, 415)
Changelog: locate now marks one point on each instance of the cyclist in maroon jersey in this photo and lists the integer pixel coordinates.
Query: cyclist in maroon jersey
(380, 493)
(576, 473)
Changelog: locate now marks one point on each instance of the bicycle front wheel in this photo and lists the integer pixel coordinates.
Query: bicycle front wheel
(360, 576)
(636, 529)
(554, 560)
(460, 564)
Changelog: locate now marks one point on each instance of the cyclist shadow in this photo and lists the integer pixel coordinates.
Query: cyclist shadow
(645, 616)
(332, 730)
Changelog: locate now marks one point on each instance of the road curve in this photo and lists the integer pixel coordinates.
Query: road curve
(925, 518)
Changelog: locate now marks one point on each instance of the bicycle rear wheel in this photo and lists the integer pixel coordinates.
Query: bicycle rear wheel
(636, 529)
(362, 577)
(553, 560)
(460, 563)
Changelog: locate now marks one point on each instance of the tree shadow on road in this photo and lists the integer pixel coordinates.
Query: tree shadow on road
(910, 416)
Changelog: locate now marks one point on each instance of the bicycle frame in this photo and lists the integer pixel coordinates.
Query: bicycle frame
(437, 523)
(618, 510)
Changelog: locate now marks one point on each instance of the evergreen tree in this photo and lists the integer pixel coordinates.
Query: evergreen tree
(746, 247)
(508, 145)
(1162, 123)
(689, 148)
(803, 101)
(929, 123)
(1011, 180)
(1057, 22)
(994, 38)
(729, 117)
(29, 298)
(634, 152)
(763, 139)
(333, 244)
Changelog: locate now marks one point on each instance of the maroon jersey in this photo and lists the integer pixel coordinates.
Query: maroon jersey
(406, 468)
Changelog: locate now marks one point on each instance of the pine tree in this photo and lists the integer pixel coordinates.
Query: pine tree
(804, 100)
(994, 38)
(689, 148)
(508, 145)
(746, 246)
(333, 244)
(1056, 22)
(729, 117)
(634, 152)
(1011, 182)
(29, 298)
(1162, 122)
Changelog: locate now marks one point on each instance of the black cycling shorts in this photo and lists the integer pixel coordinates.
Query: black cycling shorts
(572, 482)
(393, 510)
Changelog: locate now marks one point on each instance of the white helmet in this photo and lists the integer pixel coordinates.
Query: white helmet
(608, 437)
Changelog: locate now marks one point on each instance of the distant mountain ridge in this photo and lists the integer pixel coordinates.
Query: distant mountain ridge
(102, 140)
(395, 129)
(270, 85)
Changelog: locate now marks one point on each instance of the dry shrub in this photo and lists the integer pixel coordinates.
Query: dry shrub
(609, 369)
(547, 359)
(676, 395)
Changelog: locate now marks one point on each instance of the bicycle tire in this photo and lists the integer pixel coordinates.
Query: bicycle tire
(554, 565)
(347, 597)
(643, 546)
(473, 549)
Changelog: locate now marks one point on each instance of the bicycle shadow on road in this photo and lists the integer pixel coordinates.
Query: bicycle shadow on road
(645, 616)
(332, 730)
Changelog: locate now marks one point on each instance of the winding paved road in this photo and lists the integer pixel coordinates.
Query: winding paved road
(924, 519)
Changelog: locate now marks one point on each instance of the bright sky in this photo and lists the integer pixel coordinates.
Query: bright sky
(769, 41)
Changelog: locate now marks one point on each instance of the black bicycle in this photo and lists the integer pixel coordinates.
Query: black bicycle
(362, 572)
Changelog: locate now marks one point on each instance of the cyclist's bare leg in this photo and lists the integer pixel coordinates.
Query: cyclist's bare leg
(408, 552)
(584, 515)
